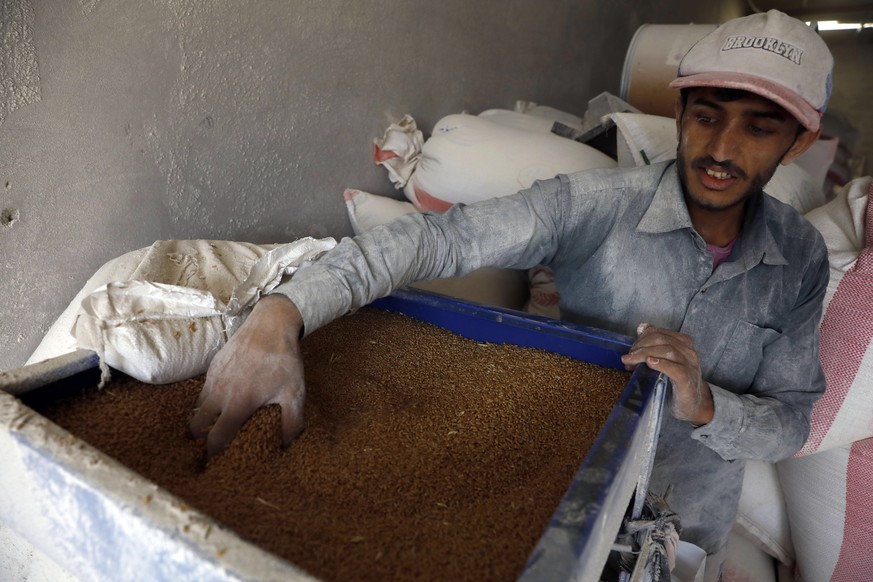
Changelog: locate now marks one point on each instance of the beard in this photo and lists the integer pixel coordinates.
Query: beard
(756, 184)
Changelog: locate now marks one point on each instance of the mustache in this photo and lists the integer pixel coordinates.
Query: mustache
(727, 166)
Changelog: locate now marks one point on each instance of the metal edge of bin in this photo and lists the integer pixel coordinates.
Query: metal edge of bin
(27, 378)
(84, 509)
(615, 472)
(499, 325)
(577, 542)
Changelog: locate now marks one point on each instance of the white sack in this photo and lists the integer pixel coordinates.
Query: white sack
(367, 210)
(156, 333)
(160, 333)
(516, 120)
(398, 150)
(830, 508)
(59, 339)
(550, 113)
(762, 517)
(845, 413)
(470, 158)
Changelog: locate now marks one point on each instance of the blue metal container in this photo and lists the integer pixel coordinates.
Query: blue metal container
(100, 521)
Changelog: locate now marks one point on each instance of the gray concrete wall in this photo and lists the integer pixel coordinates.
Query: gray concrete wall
(127, 121)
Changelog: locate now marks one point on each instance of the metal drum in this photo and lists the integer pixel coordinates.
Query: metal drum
(651, 62)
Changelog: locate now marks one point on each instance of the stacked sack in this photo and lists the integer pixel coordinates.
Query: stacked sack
(469, 158)
(827, 485)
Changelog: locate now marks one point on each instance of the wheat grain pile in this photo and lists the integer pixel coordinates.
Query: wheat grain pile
(426, 456)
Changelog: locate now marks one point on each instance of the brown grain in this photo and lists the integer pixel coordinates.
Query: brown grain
(425, 456)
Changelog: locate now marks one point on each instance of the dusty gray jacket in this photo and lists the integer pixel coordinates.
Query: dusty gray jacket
(624, 252)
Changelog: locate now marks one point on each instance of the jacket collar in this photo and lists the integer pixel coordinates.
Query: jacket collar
(667, 212)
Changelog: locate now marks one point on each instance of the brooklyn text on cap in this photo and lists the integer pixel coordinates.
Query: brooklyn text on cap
(770, 54)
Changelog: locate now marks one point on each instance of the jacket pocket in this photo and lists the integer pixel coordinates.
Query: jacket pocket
(742, 356)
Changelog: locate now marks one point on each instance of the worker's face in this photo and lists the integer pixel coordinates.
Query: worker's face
(731, 143)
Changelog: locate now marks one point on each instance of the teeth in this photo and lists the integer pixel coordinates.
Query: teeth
(718, 175)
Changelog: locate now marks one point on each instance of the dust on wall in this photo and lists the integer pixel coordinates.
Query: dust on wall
(19, 73)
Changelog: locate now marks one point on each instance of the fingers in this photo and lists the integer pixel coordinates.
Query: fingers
(220, 425)
(674, 355)
(655, 344)
(668, 352)
(208, 405)
(679, 373)
(291, 399)
(226, 427)
(260, 364)
(651, 335)
(292, 421)
(204, 415)
(226, 404)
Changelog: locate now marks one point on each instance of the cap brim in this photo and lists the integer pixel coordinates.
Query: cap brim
(790, 101)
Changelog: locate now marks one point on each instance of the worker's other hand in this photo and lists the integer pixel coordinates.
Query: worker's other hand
(673, 354)
(261, 364)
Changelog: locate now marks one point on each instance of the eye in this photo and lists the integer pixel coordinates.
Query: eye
(705, 119)
(761, 131)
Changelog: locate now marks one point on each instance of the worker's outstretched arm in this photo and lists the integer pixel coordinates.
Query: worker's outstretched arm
(261, 363)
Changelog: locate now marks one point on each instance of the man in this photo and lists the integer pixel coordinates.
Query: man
(723, 284)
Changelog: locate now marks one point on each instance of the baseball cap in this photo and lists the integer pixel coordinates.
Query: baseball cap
(770, 54)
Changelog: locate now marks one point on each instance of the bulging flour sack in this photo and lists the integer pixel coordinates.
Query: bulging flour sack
(470, 158)
(160, 333)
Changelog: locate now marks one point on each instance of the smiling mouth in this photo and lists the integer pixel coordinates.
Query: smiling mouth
(718, 172)
(716, 179)
(717, 175)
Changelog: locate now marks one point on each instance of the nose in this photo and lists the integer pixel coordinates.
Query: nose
(724, 142)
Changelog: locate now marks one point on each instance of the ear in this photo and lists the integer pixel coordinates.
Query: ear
(678, 109)
(803, 142)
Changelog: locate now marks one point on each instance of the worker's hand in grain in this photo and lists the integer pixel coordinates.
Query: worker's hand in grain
(674, 355)
(261, 364)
